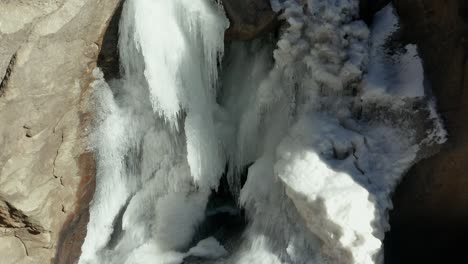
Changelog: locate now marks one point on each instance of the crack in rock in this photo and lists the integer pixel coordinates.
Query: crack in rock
(22, 242)
(8, 71)
(55, 159)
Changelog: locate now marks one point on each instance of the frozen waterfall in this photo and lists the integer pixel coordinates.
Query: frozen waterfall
(296, 142)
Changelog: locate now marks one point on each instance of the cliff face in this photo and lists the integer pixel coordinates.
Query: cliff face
(249, 18)
(439, 183)
(429, 220)
(47, 52)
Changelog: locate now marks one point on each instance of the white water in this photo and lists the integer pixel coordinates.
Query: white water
(324, 117)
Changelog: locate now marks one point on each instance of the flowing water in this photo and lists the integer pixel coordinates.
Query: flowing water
(270, 151)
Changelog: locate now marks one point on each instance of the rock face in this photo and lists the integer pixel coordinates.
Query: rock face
(429, 220)
(47, 52)
(368, 8)
(249, 18)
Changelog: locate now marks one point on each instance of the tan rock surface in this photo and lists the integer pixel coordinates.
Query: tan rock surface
(47, 52)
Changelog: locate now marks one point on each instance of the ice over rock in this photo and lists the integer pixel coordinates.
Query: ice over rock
(311, 117)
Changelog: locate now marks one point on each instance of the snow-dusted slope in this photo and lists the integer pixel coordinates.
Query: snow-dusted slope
(327, 121)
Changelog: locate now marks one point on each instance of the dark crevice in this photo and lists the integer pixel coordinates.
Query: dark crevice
(109, 59)
(224, 220)
(249, 19)
(8, 71)
(426, 241)
(22, 243)
(117, 231)
(10, 217)
(368, 8)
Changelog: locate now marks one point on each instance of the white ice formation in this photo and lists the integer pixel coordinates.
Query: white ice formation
(326, 120)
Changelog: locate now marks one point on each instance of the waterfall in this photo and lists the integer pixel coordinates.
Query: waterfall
(309, 134)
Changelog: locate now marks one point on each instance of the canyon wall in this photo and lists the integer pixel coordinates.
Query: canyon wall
(47, 52)
(429, 220)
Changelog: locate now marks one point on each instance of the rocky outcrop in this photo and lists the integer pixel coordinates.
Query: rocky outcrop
(47, 52)
(429, 220)
(249, 18)
(368, 8)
